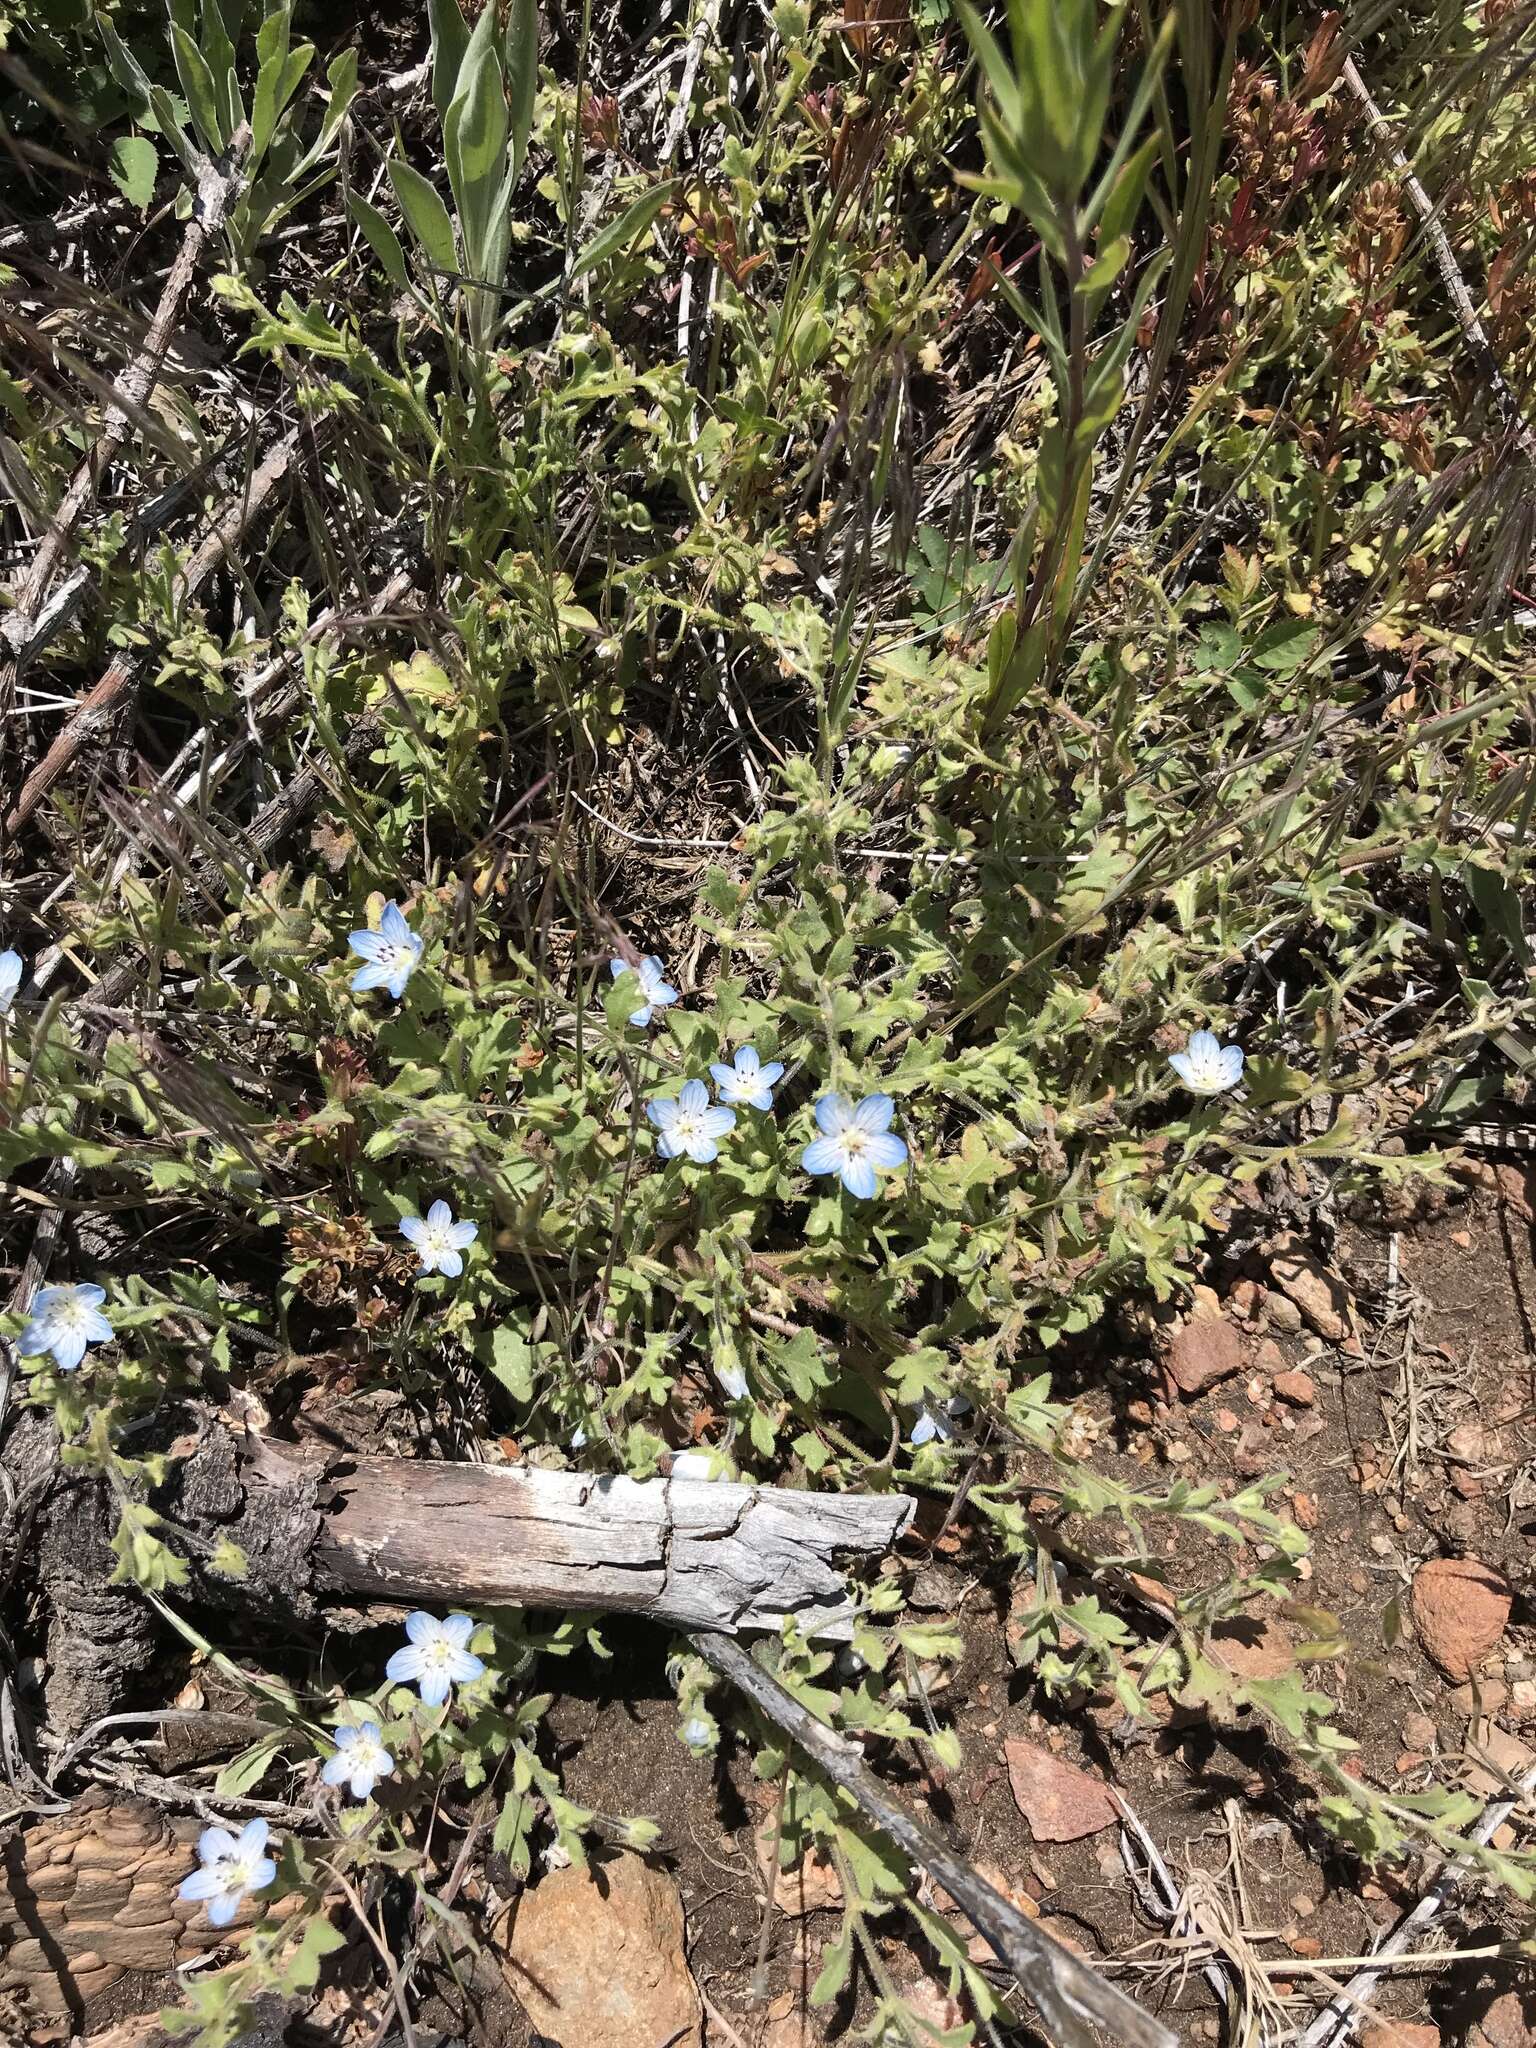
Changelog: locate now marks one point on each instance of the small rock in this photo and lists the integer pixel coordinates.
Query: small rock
(1494, 1756)
(1253, 1646)
(1296, 1389)
(1399, 2034)
(1204, 1351)
(1060, 1802)
(1226, 1420)
(1205, 1301)
(1305, 1508)
(1321, 1296)
(1284, 1315)
(1509, 2022)
(1419, 1732)
(1462, 1239)
(1269, 1358)
(810, 1886)
(1307, 1945)
(595, 1958)
(1459, 1609)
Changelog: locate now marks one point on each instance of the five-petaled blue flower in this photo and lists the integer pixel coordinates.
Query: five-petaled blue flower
(360, 1760)
(938, 1425)
(654, 986)
(232, 1865)
(438, 1240)
(689, 1124)
(390, 955)
(437, 1657)
(65, 1320)
(748, 1081)
(12, 967)
(1206, 1066)
(855, 1143)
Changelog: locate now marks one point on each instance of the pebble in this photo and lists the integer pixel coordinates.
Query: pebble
(1296, 1389)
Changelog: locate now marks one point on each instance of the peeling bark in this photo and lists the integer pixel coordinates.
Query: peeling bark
(690, 1553)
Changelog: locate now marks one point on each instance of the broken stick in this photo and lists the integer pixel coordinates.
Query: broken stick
(1072, 2000)
(217, 187)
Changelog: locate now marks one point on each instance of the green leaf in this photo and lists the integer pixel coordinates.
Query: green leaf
(381, 239)
(836, 1962)
(425, 215)
(247, 1770)
(628, 228)
(341, 78)
(520, 60)
(272, 61)
(134, 163)
(1285, 647)
(197, 84)
(450, 39)
(475, 143)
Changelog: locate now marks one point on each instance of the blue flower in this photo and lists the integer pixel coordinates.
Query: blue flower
(855, 1142)
(654, 986)
(65, 1320)
(390, 955)
(734, 1381)
(748, 1081)
(231, 1866)
(12, 967)
(439, 1241)
(938, 1425)
(437, 1657)
(688, 1124)
(360, 1760)
(1206, 1066)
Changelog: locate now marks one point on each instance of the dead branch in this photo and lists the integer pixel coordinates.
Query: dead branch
(125, 672)
(1455, 284)
(216, 188)
(1072, 2000)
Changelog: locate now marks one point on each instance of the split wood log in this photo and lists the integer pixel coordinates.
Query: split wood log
(693, 1553)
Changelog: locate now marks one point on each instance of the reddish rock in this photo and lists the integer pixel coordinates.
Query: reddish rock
(1253, 1646)
(1281, 1313)
(596, 1960)
(1060, 1802)
(1399, 2034)
(1203, 1352)
(1459, 1609)
(1321, 1296)
(1295, 1389)
(1509, 2022)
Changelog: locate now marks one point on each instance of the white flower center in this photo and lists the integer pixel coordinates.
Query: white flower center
(854, 1142)
(689, 1127)
(69, 1316)
(438, 1654)
(236, 1873)
(437, 1240)
(399, 959)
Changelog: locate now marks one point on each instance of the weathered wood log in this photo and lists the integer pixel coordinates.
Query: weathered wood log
(692, 1553)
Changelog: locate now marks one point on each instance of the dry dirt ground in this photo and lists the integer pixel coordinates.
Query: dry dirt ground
(1409, 1441)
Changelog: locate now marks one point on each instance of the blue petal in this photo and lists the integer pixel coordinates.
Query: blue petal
(68, 1349)
(703, 1151)
(369, 944)
(718, 1121)
(725, 1077)
(834, 1113)
(434, 1688)
(224, 1908)
(885, 1150)
(393, 925)
(693, 1096)
(1203, 1045)
(439, 1214)
(1183, 1066)
(772, 1074)
(642, 1017)
(859, 1178)
(374, 975)
(450, 1263)
(823, 1155)
(874, 1113)
(420, 1626)
(458, 1629)
(404, 1667)
(662, 1111)
(202, 1884)
(214, 1842)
